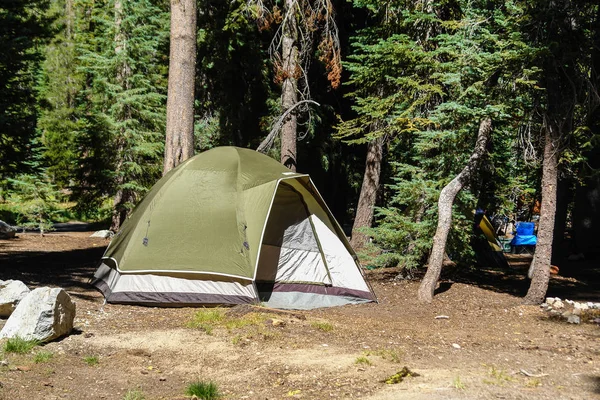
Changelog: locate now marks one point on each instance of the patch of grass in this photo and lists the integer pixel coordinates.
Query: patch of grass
(322, 326)
(363, 360)
(19, 345)
(237, 339)
(206, 318)
(134, 395)
(534, 382)
(458, 384)
(250, 319)
(42, 357)
(499, 377)
(387, 354)
(91, 360)
(203, 390)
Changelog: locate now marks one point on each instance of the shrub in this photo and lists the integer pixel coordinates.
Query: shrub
(203, 390)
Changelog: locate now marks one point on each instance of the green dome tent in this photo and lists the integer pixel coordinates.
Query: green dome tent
(232, 226)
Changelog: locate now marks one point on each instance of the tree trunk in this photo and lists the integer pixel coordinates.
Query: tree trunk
(179, 143)
(120, 199)
(289, 88)
(543, 250)
(445, 202)
(368, 193)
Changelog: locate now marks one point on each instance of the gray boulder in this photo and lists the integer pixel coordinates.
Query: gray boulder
(44, 314)
(11, 293)
(6, 231)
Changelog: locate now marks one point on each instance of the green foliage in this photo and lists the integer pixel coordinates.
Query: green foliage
(232, 88)
(118, 110)
(37, 200)
(42, 357)
(203, 390)
(206, 316)
(23, 29)
(19, 345)
(322, 326)
(363, 360)
(424, 80)
(91, 360)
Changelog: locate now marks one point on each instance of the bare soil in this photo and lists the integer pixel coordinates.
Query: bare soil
(485, 349)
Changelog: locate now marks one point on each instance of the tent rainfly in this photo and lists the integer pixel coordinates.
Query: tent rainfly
(232, 226)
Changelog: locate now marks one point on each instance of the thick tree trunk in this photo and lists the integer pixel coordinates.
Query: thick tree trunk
(289, 88)
(445, 202)
(179, 143)
(368, 193)
(543, 251)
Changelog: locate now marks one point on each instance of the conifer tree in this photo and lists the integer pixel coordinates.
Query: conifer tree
(59, 86)
(426, 82)
(23, 28)
(123, 104)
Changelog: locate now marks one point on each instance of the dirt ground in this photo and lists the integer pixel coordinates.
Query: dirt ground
(489, 347)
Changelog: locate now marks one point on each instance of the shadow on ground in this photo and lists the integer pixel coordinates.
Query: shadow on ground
(577, 280)
(70, 270)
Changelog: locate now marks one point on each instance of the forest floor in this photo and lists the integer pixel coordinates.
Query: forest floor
(485, 349)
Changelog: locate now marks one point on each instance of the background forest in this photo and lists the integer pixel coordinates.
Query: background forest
(399, 90)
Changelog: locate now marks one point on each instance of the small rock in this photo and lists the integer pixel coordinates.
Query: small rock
(103, 234)
(4, 363)
(162, 379)
(550, 300)
(570, 302)
(456, 345)
(276, 322)
(581, 306)
(558, 304)
(23, 368)
(442, 317)
(574, 319)
(577, 311)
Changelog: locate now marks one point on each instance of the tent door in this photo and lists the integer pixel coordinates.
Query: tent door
(290, 252)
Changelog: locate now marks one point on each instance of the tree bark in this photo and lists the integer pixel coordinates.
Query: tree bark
(543, 250)
(368, 194)
(445, 202)
(179, 143)
(123, 196)
(289, 88)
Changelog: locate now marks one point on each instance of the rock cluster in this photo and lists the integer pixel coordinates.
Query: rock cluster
(42, 314)
(569, 310)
